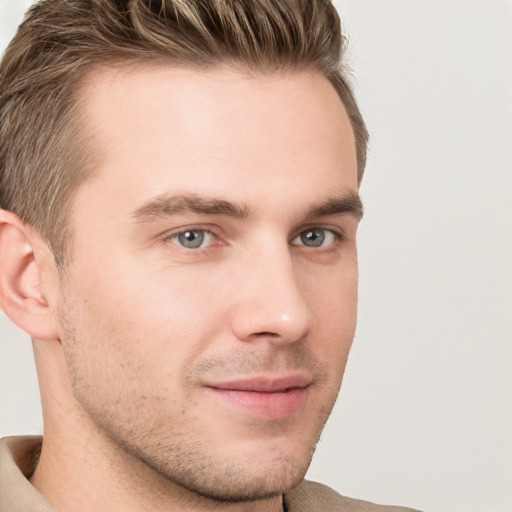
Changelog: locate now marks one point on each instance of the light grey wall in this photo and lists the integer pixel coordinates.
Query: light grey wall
(425, 413)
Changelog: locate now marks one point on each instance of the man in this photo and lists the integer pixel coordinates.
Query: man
(179, 193)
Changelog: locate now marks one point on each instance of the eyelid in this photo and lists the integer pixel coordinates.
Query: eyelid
(337, 233)
(190, 227)
(168, 235)
(212, 230)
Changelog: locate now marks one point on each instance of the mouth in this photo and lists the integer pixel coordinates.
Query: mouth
(263, 397)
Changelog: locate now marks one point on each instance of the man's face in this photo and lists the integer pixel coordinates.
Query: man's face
(210, 300)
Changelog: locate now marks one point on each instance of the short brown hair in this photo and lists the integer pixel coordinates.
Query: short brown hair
(43, 156)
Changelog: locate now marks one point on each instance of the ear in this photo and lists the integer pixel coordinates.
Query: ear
(24, 260)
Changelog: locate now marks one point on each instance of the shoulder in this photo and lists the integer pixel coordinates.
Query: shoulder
(18, 456)
(313, 496)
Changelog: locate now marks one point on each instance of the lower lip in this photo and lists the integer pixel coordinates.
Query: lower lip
(264, 405)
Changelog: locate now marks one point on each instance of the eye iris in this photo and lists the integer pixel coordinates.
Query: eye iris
(313, 237)
(191, 239)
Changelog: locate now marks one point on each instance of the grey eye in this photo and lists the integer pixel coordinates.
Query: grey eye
(191, 239)
(313, 237)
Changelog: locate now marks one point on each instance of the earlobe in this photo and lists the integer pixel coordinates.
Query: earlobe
(21, 296)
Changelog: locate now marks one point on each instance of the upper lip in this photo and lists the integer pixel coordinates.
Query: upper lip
(264, 384)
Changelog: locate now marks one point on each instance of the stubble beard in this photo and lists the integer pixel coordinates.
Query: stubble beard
(177, 455)
(183, 462)
(193, 469)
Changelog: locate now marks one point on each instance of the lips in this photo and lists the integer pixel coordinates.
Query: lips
(263, 397)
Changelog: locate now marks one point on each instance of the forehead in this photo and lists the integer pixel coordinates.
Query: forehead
(162, 128)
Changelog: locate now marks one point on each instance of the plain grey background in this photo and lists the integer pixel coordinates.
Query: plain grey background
(425, 413)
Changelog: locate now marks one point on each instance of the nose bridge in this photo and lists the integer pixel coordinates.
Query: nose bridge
(272, 303)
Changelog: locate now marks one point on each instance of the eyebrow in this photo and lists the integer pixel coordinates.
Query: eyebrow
(349, 203)
(166, 205)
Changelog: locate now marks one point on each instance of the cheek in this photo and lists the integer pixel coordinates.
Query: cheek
(122, 364)
(333, 298)
(332, 291)
(151, 324)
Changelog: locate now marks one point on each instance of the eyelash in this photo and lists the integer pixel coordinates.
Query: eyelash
(337, 237)
(203, 230)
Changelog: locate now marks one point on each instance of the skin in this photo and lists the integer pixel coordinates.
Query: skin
(136, 332)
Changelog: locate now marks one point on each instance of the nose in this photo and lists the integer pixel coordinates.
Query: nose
(271, 302)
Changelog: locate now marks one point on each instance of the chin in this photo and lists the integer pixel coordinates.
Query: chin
(239, 483)
(228, 477)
